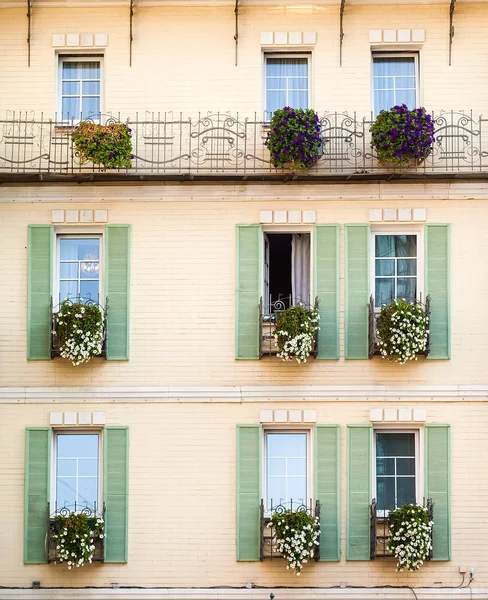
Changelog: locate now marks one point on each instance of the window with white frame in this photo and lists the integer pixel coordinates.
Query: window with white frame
(396, 272)
(286, 468)
(287, 81)
(78, 268)
(395, 80)
(80, 82)
(396, 468)
(77, 471)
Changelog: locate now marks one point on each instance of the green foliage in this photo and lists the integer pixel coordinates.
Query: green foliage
(75, 536)
(295, 332)
(410, 536)
(79, 328)
(106, 145)
(296, 534)
(294, 138)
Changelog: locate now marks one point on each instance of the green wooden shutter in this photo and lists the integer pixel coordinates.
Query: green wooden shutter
(327, 489)
(357, 291)
(359, 446)
(326, 246)
(248, 492)
(40, 282)
(249, 268)
(37, 485)
(437, 250)
(437, 486)
(115, 493)
(117, 268)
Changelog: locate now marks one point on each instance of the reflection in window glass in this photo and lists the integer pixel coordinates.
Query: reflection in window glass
(79, 269)
(395, 470)
(286, 469)
(395, 268)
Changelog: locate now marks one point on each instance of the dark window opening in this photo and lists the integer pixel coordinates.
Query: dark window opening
(279, 266)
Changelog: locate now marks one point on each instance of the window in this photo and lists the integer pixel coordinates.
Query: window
(80, 87)
(77, 471)
(396, 455)
(286, 474)
(79, 268)
(286, 270)
(395, 267)
(287, 81)
(395, 80)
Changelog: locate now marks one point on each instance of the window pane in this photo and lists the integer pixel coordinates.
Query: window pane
(287, 444)
(89, 290)
(77, 455)
(405, 83)
(298, 83)
(407, 266)
(385, 466)
(286, 473)
(297, 467)
(70, 109)
(88, 467)
(406, 491)
(89, 270)
(385, 267)
(276, 489)
(384, 291)
(408, 97)
(383, 100)
(90, 70)
(395, 444)
(71, 88)
(67, 466)
(87, 491)
(276, 83)
(406, 245)
(407, 288)
(394, 66)
(276, 467)
(90, 107)
(65, 492)
(275, 101)
(384, 246)
(91, 88)
(385, 493)
(71, 70)
(77, 445)
(297, 99)
(68, 289)
(68, 270)
(79, 249)
(405, 466)
(297, 491)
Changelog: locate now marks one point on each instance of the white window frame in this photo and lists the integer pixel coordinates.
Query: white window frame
(296, 229)
(405, 230)
(54, 460)
(56, 271)
(280, 54)
(396, 54)
(62, 58)
(277, 429)
(419, 461)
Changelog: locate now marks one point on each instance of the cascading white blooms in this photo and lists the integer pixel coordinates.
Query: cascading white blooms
(411, 536)
(82, 331)
(299, 342)
(403, 331)
(76, 549)
(296, 543)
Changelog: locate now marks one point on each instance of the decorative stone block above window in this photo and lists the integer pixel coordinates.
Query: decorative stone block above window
(288, 416)
(398, 415)
(80, 40)
(401, 215)
(288, 38)
(79, 216)
(77, 418)
(290, 217)
(396, 36)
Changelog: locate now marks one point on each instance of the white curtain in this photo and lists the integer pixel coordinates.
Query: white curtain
(300, 267)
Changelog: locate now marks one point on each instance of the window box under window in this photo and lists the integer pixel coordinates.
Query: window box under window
(374, 321)
(380, 531)
(268, 544)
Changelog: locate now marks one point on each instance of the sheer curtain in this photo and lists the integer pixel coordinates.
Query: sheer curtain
(286, 83)
(300, 267)
(394, 82)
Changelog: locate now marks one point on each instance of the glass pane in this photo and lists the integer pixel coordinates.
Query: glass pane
(89, 290)
(90, 70)
(87, 466)
(276, 467)
(77, 445)
(70, 109)
(71, 88)
(71, 70)
(90, 106)
(395, 444)
(384, 246)
(276, 491)
(298, 83)
(68, 289)
(79, 248)
(383, 100)
(406, 97)
(297, 99)
(385, 493)
(292, 67)
(67, 466)
(287, 444)
(68, 270)
(91, 88)
(383, 83)
(65, 492)
(407, 266)
(275, 101)
(407, 288)
(297, 467)
(405, 491)
(405, 83)
(276, 83)
(87, 491)
(393, 65)
(384, 291)
(385, 466)
(297, 490)
(385, 267)
(89, 270)
(406, 245)
(405, 466)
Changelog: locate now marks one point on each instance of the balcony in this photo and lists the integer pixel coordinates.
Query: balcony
(380, 531)
(268, 540)
(373, 324)
(232, 147)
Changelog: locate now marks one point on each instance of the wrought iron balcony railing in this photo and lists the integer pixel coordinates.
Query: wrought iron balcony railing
(374, 322)
(92, 515)
(55, 342)
(380, 530)
(268, 538)
(268, 315)
(169, 146)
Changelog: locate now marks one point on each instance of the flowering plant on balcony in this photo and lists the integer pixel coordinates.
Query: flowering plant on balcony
(79, 328)
(402, 331)
(297, 535)
(295, 332)
(106, 145)
(410, 536)
(75, 536)
(399, 135)
(294, 138)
